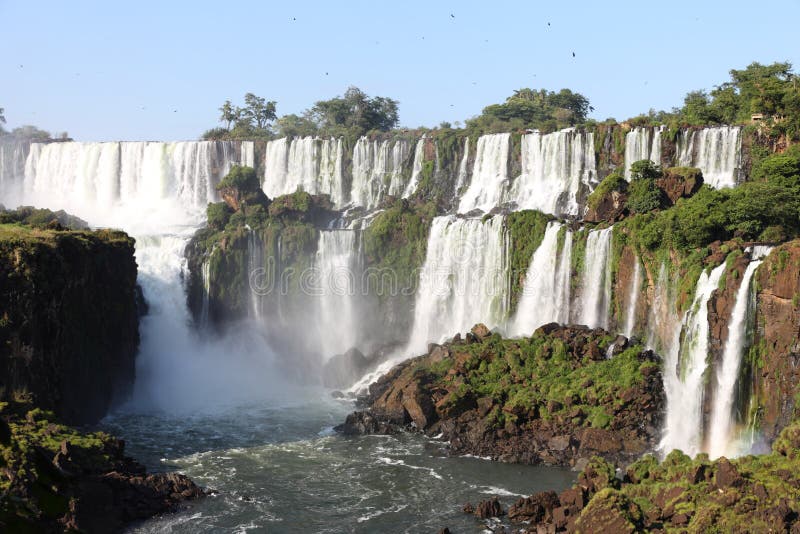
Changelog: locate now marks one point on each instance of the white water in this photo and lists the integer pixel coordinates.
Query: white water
(378, 169)
(633, 299)
(461, 177)
(256, 262)
(248, 154)
(308, 163)
(596, 280)
(489, 174)
(684, 372)
(463, 281)
(12, 169)
(546, 292)
(722, 417)
(716, 151)
(416, 169)
(642, 144)
(556, 168)
(338, 320)
(157, 192)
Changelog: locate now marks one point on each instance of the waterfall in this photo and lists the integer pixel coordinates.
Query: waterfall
(720, 438)
(377, 169)
(255, 269)
(461, 177)
(12, 168)
(308, 163)
(205, 274)
(641, 144)
(489, 174)
(248, 156)
(463, 281)
(157, 192)
(416, 169)
(337, 263)
(546, 292)
(633, 299)
(716, 151)
(685, 370)
(596, 279)
(556, 169)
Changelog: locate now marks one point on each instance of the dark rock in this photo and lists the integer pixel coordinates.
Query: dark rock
(727, 475)
(537, 508)
(489, 508)
(343, 369)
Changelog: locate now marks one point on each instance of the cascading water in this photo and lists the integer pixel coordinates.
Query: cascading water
(596, 281)
(12, 168)
(546, 292)
(633, 299)
(378, 169)
(463, 281)
(337, 265)
(308, 163)
(642, 144)
(556, 168)
(461, 177)
(416, 169)
(716, 151)
(255, 266)
(721, 440)
(685, 370)
(248, 154)
(489, 174)
(157, 192)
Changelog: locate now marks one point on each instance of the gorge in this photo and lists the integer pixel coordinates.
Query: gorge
(371, 251)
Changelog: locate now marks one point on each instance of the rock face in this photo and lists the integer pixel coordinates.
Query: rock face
(541, 400)
(680, 182)
(775, 356)
(69, 321)
(57, 479)
(610, 207)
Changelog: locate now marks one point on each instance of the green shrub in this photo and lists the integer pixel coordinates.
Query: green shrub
(218, 214)
(644, 196)
(243, 179)
(613, 182)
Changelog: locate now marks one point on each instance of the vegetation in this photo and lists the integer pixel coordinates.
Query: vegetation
(613, 182)
(41, 218)
(528, 108)
(395, 242)
(526, 229)
(252, 121)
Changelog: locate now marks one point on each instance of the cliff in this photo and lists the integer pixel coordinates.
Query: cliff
(56, 479)
(68, 318)
(551, 399)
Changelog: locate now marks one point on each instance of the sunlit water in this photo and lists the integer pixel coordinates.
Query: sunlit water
(284, 470)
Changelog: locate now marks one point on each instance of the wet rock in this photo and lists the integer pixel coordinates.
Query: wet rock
(480, 331)
(537, 508)
(489, 508)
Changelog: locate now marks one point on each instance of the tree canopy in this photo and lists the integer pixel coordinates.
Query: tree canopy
(531, 108)
(354, 113)
(252, 121)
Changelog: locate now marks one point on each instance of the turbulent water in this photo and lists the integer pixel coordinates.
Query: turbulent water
(308, 163)
(278, 467)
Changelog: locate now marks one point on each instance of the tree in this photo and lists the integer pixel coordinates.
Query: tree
(296, 126)
(645, 170)
(355, 113)
(258, 112)
(228, 114)
(535, 108)
(2, 115)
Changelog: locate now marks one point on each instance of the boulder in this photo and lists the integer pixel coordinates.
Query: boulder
(489, 508)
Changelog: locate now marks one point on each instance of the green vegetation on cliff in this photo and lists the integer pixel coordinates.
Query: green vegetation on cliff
(395, 242)
(526, 230)
(69, 314)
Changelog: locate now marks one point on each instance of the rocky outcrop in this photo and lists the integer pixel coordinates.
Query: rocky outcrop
(56, 479)
(68, 319)
(679, 182)
(548, 399)
(749, 494)
(610, 207)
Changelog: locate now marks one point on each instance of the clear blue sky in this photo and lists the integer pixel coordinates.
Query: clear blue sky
(159, 70)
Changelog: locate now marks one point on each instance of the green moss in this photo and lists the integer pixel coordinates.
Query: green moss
(526, 230)
(613, 182)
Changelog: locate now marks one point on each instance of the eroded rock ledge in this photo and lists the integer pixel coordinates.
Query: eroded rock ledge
(556, 398)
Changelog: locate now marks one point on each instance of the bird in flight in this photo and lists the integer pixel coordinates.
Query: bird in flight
(452, 16)
(573, 54)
